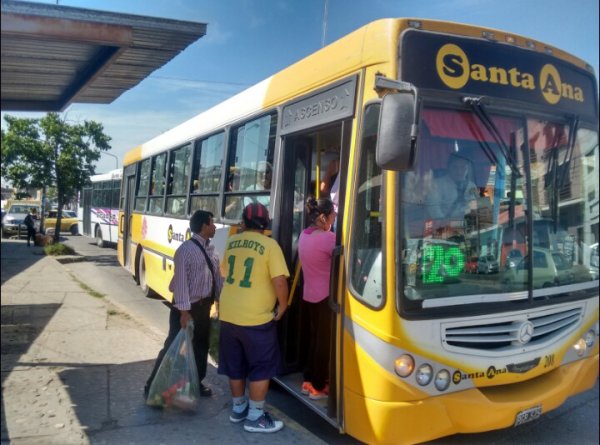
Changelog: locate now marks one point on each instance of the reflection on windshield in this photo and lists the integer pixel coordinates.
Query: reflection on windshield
(465, 209)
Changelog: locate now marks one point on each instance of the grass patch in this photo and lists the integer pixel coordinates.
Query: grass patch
(115, 313)
(90, 291)
(86, 288)
(58, 249)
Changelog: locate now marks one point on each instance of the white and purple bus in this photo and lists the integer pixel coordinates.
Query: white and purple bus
(99, 207)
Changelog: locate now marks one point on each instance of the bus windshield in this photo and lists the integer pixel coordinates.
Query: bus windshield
(465, 208)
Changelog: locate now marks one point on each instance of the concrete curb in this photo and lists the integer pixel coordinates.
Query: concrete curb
(65, 259)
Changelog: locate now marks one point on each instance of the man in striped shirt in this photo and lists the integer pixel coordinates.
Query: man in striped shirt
(195, 286)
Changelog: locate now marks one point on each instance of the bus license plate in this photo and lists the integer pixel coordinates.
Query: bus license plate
(528, 415)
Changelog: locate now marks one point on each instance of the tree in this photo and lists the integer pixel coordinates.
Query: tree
(50, 152)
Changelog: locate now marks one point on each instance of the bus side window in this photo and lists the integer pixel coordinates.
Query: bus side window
(157, 188)
(250, 165)
(179, 173)
(143, 182)
(206, 174)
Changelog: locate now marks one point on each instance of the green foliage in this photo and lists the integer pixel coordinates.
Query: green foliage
(58, 249)
(51, 152)
(22, 195)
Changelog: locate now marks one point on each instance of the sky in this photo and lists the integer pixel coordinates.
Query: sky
(250, 40)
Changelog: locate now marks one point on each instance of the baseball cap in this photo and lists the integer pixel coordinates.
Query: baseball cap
(256, 216)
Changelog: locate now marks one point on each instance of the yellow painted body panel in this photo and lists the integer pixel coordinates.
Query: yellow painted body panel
(132, 156)
(501, 37)
(372, 44)
(157, 277)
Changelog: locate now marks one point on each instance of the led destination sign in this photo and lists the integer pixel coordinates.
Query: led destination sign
(493, 69)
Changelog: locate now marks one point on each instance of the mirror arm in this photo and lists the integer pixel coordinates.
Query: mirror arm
(383, 83)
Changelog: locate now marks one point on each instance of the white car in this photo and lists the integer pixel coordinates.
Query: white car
(13, 219)
(550, 268)
(487, 264)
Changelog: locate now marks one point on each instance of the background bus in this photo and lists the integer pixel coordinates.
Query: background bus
(99, 207)
(421, 348)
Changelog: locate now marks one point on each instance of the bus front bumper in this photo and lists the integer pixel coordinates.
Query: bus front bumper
(472, 411)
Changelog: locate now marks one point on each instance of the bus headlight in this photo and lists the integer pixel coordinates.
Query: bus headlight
(589, 338)
(442, 380)
(404, 365)
(580, 347)
(424, 375)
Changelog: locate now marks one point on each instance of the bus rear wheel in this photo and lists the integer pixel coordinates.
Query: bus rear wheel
(74, 230)
(99, 240)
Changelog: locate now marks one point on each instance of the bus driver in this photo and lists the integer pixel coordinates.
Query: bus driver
(452, 193)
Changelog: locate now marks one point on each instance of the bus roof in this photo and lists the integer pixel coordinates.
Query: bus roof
(377, 42)
(116, 174)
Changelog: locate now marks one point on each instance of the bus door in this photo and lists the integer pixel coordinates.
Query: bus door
(306, 157)
(125, 222)
(86, 203)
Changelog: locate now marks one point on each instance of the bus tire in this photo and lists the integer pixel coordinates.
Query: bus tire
(99, 240)
(74, 230)
(141, 275)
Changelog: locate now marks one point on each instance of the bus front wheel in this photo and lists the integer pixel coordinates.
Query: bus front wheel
(99, 240)
(146, 290)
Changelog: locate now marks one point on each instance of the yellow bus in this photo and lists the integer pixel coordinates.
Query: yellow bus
(422, 349)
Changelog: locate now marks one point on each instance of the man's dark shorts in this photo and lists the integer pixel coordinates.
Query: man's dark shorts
(250, 352)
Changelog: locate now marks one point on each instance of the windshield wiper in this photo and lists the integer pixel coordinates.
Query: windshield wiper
(573, 127)
(560, 171)
(477, 106)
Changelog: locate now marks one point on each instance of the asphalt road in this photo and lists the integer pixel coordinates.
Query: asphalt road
(575, 422)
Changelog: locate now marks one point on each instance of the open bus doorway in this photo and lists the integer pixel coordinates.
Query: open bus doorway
(306, 157)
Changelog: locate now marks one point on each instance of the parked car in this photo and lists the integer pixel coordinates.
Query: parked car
(513, 258)
(471, 265)
(16, 211)
(487, 264)
(550, 268)
(68, 222)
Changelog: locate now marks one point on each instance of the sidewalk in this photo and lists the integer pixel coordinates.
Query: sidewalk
(73, 368)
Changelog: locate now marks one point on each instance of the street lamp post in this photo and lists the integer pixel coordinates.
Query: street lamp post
(114, 156)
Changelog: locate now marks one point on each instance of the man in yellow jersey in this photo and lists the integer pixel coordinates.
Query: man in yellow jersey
(253, 299)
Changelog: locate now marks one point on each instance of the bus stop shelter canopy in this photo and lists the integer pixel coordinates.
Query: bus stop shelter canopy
(54, 55)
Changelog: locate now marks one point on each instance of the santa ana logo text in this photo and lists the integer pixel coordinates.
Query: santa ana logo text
(455, 70)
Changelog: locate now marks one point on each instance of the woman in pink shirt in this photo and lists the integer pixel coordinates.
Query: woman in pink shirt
(314, 249)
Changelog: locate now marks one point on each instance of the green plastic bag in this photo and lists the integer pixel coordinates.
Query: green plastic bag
(176, 383)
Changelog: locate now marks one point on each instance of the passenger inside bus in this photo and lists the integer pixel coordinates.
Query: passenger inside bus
(264, 174)
(330, 183)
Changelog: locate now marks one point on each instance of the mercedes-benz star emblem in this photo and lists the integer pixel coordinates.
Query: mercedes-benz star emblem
(525, 332)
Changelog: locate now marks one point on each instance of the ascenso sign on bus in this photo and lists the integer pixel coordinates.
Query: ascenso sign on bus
(493, 69)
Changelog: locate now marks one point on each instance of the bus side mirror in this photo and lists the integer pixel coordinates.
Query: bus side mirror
(397, 135)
